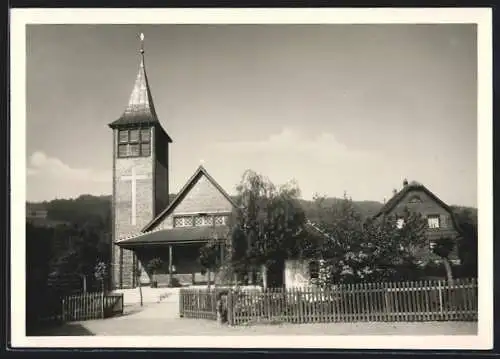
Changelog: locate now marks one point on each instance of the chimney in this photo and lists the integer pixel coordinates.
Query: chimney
(405, 182)
(394, 191)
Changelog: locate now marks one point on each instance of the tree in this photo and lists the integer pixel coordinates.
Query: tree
(39, 251)
(101, 273)
(269, 225)
(215, 255)
(468, 243)
(210, 258)
(367, 250)
(153, 266)
(443, 248)
(137, 274)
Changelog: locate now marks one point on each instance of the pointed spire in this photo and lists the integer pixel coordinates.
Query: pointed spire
(140, 108)
(141, 100)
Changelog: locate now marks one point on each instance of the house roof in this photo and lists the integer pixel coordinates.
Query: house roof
(201, 171)
(175, 235)
(398, 197)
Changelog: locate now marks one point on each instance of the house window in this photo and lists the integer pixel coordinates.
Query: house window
(400, 223)
(134, 143)
(204, 221)
(433, 221)
(220, 220)
(314, 270)
(184, 221)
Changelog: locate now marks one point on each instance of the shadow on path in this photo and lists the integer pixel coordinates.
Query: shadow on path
(66, 329)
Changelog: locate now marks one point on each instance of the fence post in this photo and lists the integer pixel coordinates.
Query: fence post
(440, 293)
(181, 304)
(63, 310)
(388, 308)
(102, 305)
(230, 307)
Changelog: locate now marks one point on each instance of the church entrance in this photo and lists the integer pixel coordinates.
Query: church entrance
(182, 259)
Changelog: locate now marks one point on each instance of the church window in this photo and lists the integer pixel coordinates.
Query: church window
(220, 220)
(134, 150)
(184, 221)
(145, 135)
(145, 149)
(433, 221)
(134, 135)
(123, 136)
(204, 221)
(122, 150)
(134, 143)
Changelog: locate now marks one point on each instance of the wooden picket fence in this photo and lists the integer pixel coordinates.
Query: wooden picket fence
(202, 303)
(87, 306)
(369, 302)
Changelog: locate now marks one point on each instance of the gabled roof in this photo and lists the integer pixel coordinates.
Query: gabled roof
(201, 171)
(398, 197)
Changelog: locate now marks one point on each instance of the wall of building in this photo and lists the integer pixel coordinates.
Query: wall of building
(161, 154)
(297, 273)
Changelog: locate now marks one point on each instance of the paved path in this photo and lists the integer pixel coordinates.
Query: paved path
(163, 319)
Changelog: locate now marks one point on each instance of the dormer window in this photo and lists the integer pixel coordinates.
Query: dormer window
(415, 199)
(134, 143)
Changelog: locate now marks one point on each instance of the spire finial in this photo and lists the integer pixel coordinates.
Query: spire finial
(141, 36)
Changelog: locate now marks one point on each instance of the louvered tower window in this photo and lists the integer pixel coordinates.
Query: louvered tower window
(134, 142)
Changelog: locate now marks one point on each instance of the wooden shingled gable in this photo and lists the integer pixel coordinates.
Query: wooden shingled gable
(184, 192)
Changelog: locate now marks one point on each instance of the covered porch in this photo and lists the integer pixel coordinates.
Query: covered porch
(178, 250)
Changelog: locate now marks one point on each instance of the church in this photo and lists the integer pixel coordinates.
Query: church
(145, 224)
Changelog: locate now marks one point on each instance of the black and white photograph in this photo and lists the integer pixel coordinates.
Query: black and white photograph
(283, 181)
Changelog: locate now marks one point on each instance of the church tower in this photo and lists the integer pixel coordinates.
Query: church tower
(140, 173)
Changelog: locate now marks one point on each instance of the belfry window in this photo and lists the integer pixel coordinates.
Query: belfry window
(134, 143)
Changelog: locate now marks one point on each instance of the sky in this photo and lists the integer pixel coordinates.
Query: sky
(335, 107)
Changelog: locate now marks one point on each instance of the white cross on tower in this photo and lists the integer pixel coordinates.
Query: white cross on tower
(133, 178)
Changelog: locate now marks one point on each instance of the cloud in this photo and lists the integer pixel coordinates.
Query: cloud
(319, 163)
(41, 165)
(323, 148)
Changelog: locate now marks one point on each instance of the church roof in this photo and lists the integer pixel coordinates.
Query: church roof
(140, 108)
(175, 235)
(199, 172)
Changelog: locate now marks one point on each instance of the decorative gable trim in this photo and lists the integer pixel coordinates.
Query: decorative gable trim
(201, 171)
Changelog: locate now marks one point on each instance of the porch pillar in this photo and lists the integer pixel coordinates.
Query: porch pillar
(170, 264)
